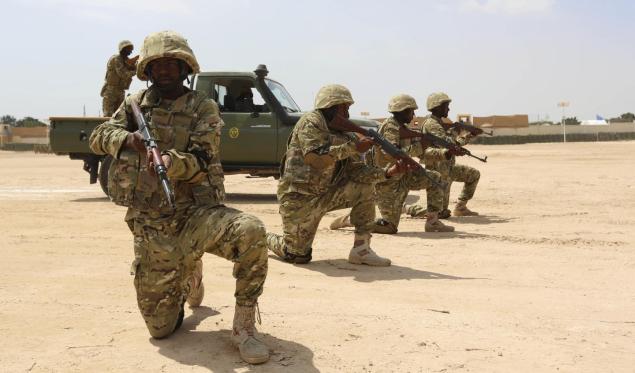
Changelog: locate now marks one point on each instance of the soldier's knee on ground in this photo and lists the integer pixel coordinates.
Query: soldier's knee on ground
(163, 325)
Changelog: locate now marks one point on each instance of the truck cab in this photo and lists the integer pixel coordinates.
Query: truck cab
(258, 112)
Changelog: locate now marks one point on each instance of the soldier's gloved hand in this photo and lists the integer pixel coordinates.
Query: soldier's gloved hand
(134, 141)
(363, 145)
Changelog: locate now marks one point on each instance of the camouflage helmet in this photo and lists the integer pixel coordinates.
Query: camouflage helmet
(123, 44)
(402, 102)
(165, 44)
(437, 99)
(331, 95)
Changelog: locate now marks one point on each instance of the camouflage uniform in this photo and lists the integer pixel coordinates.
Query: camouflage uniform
(322, 172)
(391, 194)
(448, 168)
(168, 243)
(119, 75)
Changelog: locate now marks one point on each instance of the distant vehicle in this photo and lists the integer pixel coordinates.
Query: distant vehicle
(253, 140)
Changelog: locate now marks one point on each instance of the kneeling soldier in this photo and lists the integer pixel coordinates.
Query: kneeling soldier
(323, 171)
(170, 241)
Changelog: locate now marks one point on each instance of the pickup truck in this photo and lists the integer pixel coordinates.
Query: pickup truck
(258, 112)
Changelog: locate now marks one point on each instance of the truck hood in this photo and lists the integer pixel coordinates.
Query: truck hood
(362, 122)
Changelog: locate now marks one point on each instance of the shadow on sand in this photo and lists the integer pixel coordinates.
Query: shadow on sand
(361, 273)
(92, 199)
(213, 349)
(250, 198)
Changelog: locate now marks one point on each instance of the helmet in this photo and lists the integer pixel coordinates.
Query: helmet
(123, 44)
(331, 95)
(165, 44)
(402, 102)
(436, 99)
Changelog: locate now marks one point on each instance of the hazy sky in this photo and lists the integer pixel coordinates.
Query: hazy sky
(491, 56)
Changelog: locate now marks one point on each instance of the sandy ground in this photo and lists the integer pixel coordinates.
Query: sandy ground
(543, 280)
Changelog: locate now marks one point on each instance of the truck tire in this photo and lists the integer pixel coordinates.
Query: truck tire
(103, 173)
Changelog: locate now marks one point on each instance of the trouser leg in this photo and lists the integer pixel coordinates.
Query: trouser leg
(235, 236)
(467, 175)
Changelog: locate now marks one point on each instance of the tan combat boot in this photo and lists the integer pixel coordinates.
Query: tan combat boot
(461, 209)
(343, 221)
(384, 227)
(251, 349)
(433, 224)
(361, 253)
(197, 288)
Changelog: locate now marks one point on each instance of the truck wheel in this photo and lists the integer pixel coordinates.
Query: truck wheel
(103, 173)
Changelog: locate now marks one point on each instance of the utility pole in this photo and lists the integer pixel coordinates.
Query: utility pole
(563, 105)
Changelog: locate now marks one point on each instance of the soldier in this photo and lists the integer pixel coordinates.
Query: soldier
(391, 194)
(323, 171)
(119, 73)
(439, 106)
(169, 243)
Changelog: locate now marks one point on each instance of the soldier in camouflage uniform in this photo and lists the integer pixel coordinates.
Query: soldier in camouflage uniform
(169, 243)
(391, 194)
(119, 73)
(323, 171)
(439, 106)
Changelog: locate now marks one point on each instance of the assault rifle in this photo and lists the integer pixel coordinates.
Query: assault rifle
(407, 133)
(342, 124)
(475, 131)
(153, 148)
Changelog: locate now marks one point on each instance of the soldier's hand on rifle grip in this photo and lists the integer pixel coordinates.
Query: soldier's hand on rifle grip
(167, 161)
(363, 144)
(398, 168)
(457, 151)
(134, 141)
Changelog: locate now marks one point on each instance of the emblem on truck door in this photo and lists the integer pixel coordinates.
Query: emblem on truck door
(234, 132)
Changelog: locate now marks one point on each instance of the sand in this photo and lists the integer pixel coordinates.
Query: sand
(542, 281)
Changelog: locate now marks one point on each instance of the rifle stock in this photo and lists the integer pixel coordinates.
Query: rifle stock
(153, 147)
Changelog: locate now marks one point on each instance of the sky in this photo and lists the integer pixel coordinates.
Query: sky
(493, 57)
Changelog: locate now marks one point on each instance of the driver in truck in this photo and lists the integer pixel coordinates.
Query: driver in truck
(170, 241)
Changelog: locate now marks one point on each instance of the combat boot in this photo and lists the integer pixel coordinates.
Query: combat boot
(384, 227)
(433, 224)
(361, 253)
(461, 209)
(197, 288)
(343, 221)
(244, 336)
(445, 214)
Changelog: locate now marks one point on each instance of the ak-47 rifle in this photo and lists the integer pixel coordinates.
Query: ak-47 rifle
(475, 131)
(407, 133)
(345, 125)
(153, 147)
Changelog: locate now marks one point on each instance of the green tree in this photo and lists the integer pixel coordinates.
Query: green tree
(627, 117)
(29, 122)
(571, 121)
(7, 119)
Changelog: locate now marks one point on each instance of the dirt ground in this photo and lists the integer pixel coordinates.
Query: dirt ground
(543, 280)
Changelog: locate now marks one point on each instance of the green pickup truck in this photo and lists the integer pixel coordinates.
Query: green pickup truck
(258, 112)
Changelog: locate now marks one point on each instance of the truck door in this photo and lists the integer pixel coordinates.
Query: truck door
(249, 136)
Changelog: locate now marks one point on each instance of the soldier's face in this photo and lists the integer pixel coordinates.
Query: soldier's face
(409, 115)
(165, 73)
(342, 109)
(445, 109)
(127, 50)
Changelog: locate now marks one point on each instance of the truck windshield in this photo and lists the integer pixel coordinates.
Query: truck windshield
(283, 96)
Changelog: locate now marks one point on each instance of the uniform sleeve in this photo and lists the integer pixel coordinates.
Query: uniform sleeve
(109, 137)
(204, 143)
(433, 153)
(361, 172)
(463, 138)
(123, 70)
(311, 139)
